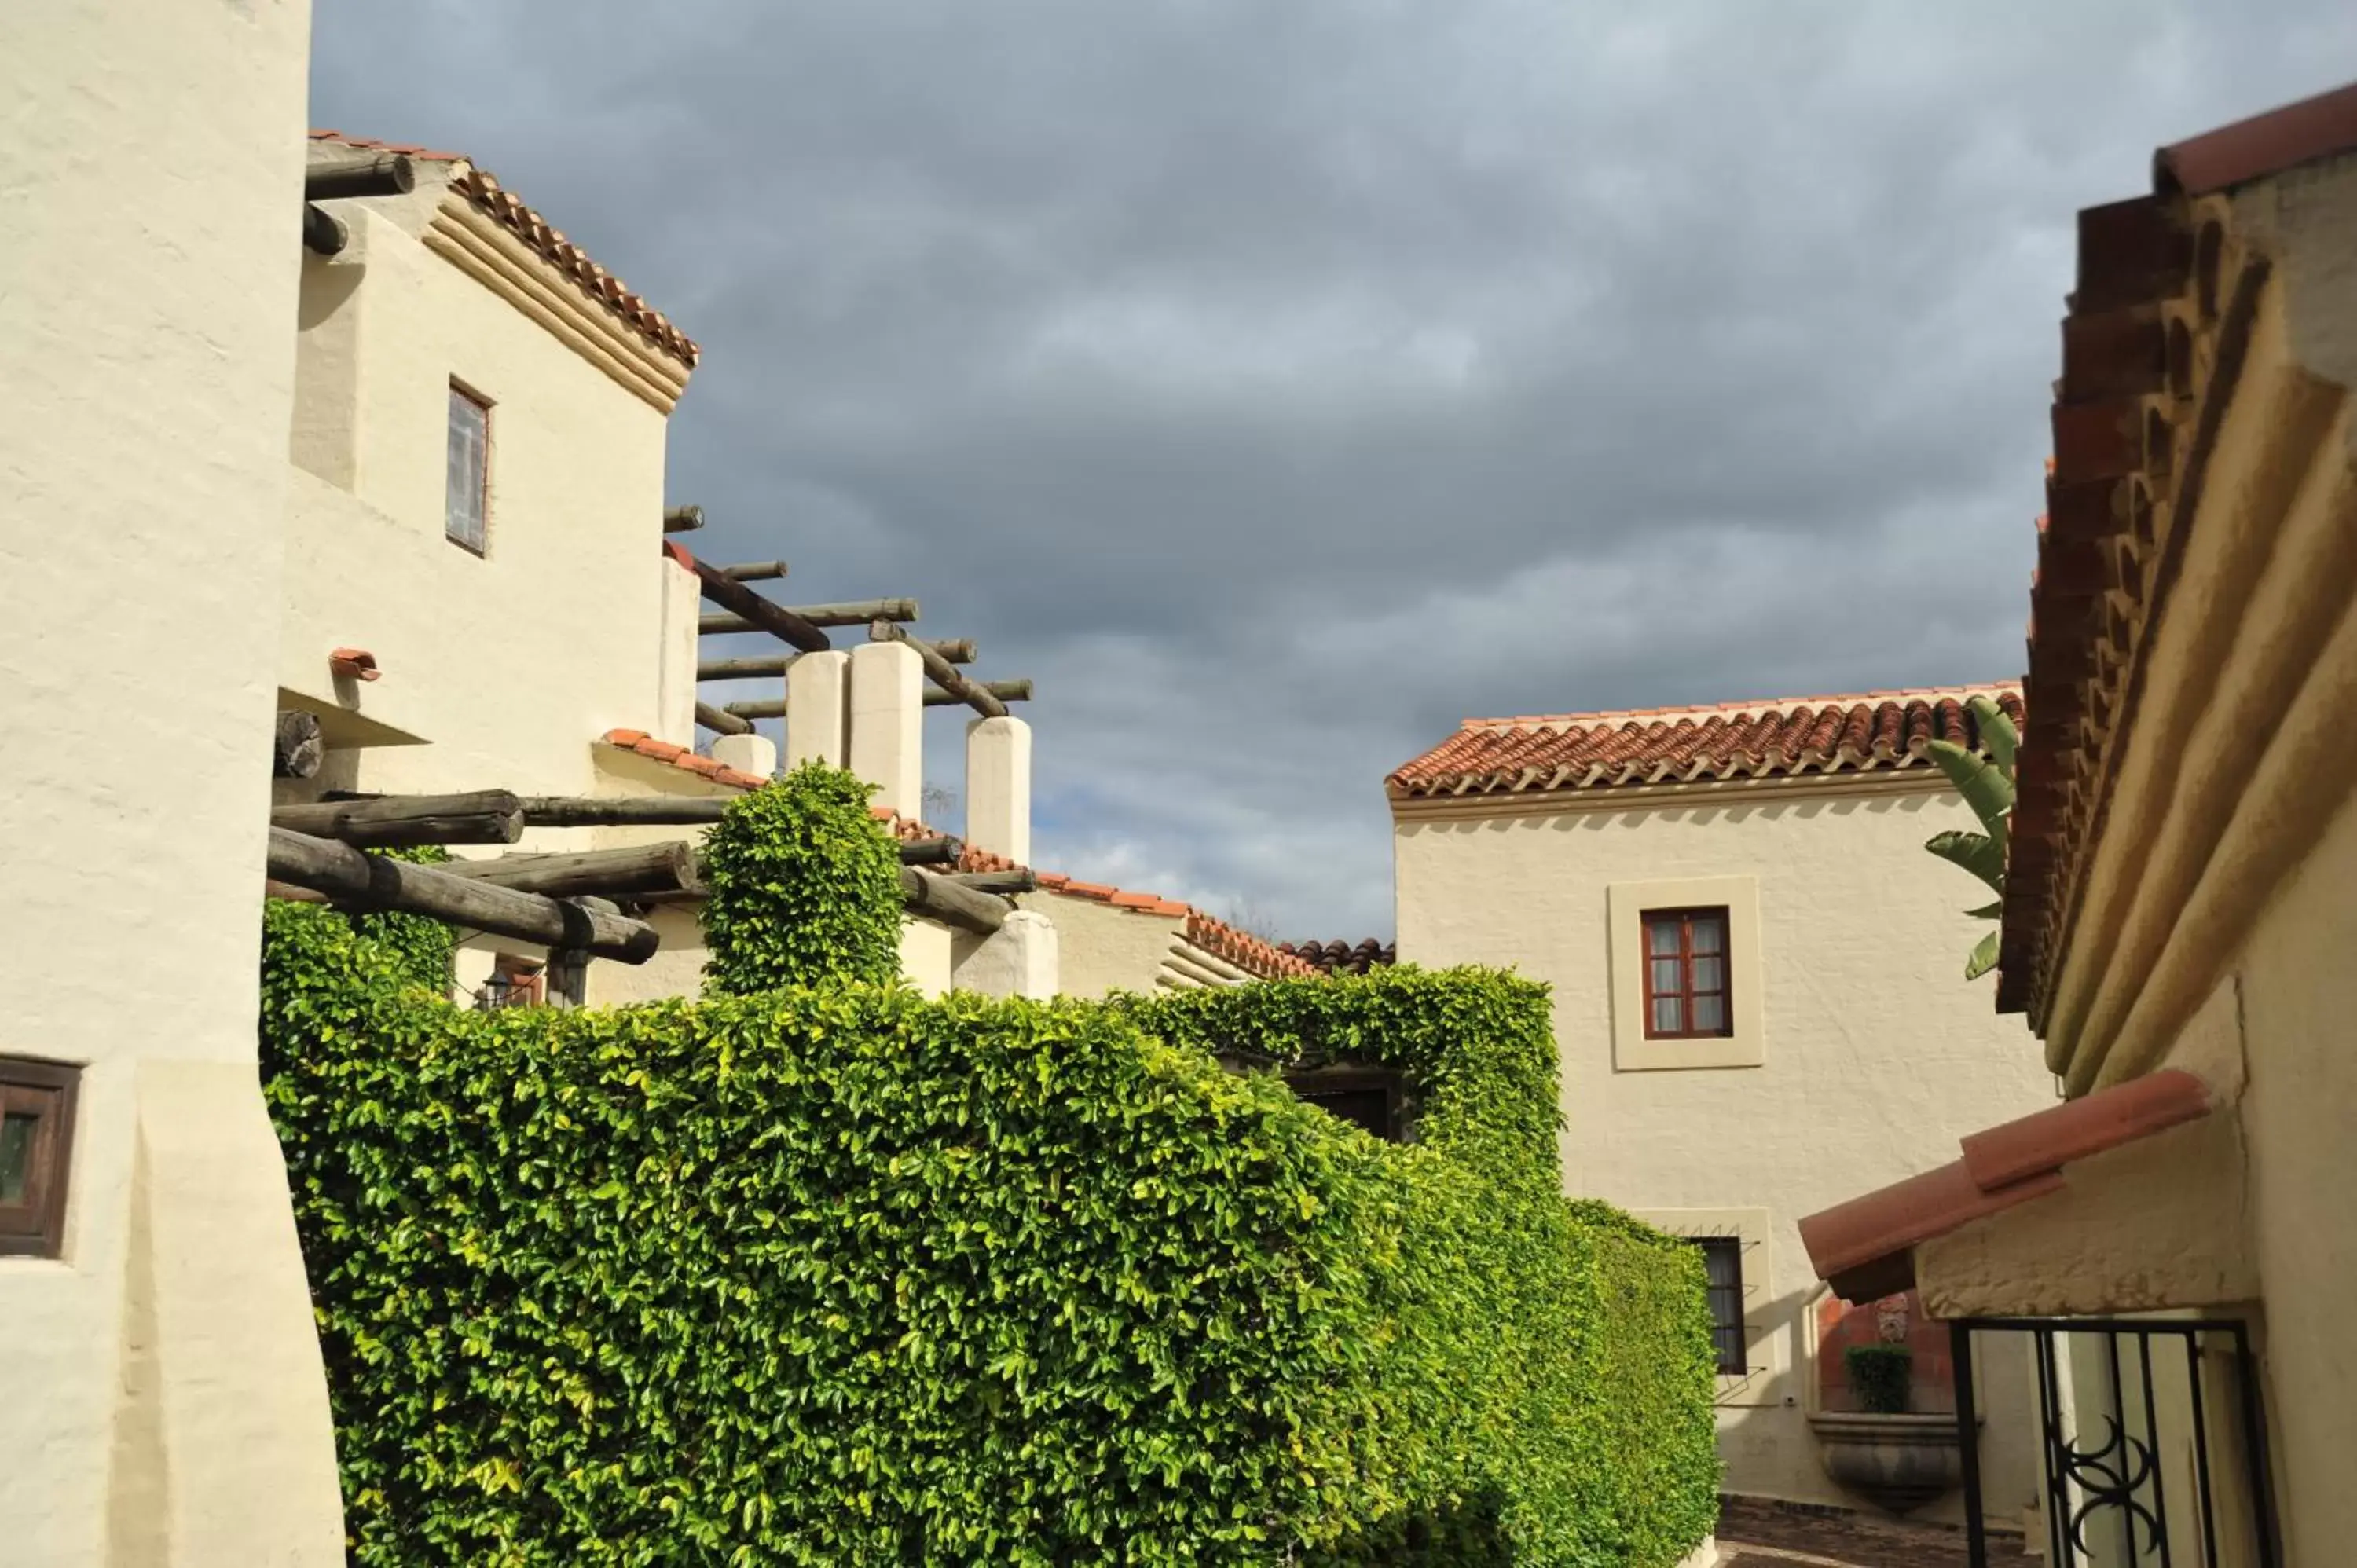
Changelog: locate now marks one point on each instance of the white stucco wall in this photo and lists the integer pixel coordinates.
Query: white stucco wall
(1099, 948)
(2298, 992)
(508, 663)
(162, 1398)
(1875, 1055)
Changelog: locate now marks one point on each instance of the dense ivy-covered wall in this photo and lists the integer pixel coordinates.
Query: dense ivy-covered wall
(840, 1275)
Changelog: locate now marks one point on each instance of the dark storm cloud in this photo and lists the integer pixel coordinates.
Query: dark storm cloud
(1279, 382)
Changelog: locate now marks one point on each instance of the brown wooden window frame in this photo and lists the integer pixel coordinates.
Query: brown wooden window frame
(1687, 992)
(35, 1227)
(481, 543)
(1729, 1337)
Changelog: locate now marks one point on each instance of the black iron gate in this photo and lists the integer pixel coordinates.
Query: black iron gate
(2155, 1444)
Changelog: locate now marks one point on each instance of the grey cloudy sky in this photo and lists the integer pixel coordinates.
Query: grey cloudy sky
(1278, 383)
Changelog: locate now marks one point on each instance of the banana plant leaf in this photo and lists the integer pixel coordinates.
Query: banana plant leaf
(1982, 783)
(1997, 732)
(1976, 853)
(1983, 958)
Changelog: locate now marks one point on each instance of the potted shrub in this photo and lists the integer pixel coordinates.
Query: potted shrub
(1879, 1376)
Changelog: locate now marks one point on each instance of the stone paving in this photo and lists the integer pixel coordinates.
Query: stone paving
(1757, 1535)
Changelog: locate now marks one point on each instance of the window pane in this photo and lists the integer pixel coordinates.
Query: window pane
(1710, 973)
(1710, 1015)
(1668, 1016)
(1709, 933)
(1665, 977)
(15, 1155)
(470, 451)
(1662, 936)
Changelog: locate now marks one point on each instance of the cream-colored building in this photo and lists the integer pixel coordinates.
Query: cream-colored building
(479, 594)
(161, 1400)
(1758, 1001)
(2181, 893)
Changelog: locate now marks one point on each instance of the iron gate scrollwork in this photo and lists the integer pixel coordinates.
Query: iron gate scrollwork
(2154, 1443)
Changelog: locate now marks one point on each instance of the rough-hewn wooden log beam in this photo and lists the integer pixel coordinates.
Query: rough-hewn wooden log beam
(296, 750)
(627, 812)
(721, 719)
(945, 674)
(372, 881)
(1004, 883)
(666, 870)
(683, 519)
(761, 666)
(362, 173)
(854, 612)
(323, 233)
(755, 570)
(758, 613)
(686, 812)
(405, 822)
(951, 904)
(775, 708)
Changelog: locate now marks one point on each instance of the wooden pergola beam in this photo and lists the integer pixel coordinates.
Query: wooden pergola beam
(945, 674)
(407, 821)
(852, 612)
(323, 233)
(374, 883)
(1004, 883)
(759, 614)
(684, 812)
(935, 697)
(670, 869)
(755, 570)
(951, 902)
(720, 719)
(296, 749)
(362, 173)
(683, 519)
(761, 666)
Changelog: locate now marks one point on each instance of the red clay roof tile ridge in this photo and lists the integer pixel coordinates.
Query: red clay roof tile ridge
(1752, 708)
(644, 744)
(504, 207)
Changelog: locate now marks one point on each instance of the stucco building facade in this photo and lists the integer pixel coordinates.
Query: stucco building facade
(1766, 864)
(162, 1400)
(2182, 889)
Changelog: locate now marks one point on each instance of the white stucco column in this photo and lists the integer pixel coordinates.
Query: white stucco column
(683, 609)
(1016, 960)
(888, 722)
(755, 753)
(818, 709)
(998, 788)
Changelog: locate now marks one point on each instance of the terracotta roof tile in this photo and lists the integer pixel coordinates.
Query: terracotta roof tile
(1241, 949)
(1342, 958)
(504, 208)
(1886, 730)
(679, 756)
(1864, 1248)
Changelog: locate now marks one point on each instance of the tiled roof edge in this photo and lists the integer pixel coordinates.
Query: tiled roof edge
(482, 189)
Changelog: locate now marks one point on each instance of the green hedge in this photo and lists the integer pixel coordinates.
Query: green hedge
(804, 888)
(845, 1276)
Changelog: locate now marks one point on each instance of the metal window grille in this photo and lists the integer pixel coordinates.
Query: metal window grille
(2154, 1443)
(1722, 1262)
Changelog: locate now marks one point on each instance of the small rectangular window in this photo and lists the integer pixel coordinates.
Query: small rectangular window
(37, 1112)
(1367, 1097)
(1722, 1262)
(467, 490)
(1686, 975)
